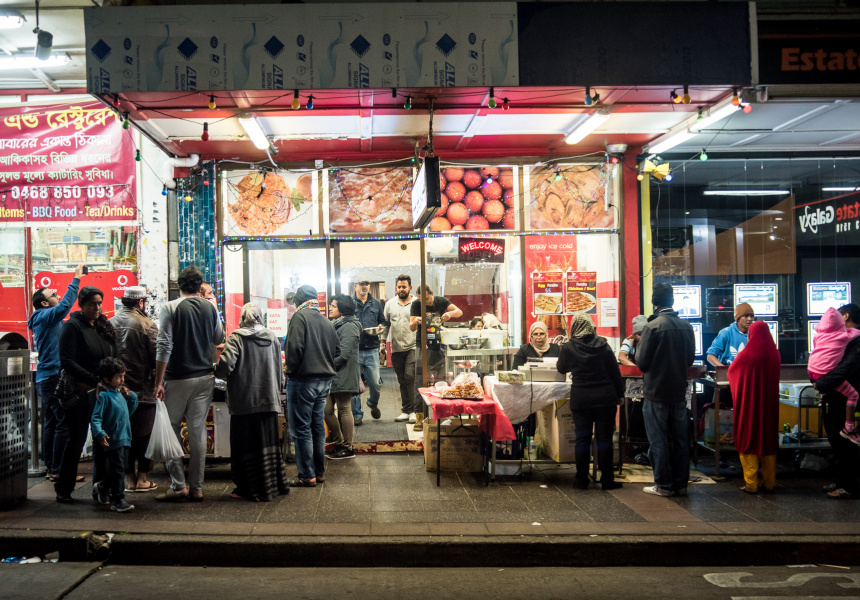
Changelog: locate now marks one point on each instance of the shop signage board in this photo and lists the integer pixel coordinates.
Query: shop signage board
(369, 200)
(580, 292)
(111, 283)
(273, 203)
(286, 47)
(277, 321)
(568, 196)
(761, 296)
(483, 250)
(62, 163)
(835, 218)
(688, 301)
(477, 198)
(808, 51)
(821, 296)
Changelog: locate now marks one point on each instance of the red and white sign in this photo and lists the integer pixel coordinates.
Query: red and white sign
(276, 320)
(112, 284)
(481, 250)
(65, 163)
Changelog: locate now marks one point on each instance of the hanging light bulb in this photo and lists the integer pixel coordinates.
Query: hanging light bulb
(188, 198)
(115, 101)
(137, 155)
(205, 136)
(310, 103)
(206, 182)
(505, 105)
(164, 191)
(408, 105)
(669, 177)
(699, 117)
(686, 97)
(212, 102)
(125, 123)
(674, 97)
(492, 101)
(640, 176)
(703, 156)
(735, 100)
(558, 175)
(588, 99)
(295, 103)
(747, 108)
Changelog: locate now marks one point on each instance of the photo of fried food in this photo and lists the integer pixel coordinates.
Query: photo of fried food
(575, 201)
(371, 200)
(263, 203)
(579, 302)
(547, 303)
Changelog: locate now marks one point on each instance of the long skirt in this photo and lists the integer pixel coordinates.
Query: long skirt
(257, 465)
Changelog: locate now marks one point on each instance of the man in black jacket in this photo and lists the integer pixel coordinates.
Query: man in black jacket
(666, 349)
(310, 348)
(847, 454)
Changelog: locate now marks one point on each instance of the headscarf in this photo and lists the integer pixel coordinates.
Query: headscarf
(581, 326)
(754, 381)
(252, 317)
(543, 347)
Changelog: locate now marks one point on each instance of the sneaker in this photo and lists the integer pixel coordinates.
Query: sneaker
(342, 454)
(375, 413)
(358, 421)
(402, 417)
(657, 491)
(851, 436)
(122, 506)
(411, 417)
(332, 451)
(101, 493)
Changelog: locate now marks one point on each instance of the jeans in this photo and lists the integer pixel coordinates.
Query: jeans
(341, 427)
(54, 431)
(404, 367)
(77, 421)
(113, 467)
(600, 421)
(306, 406)
(368, 363)
(190, 398)
(667, 425)
(142, 421)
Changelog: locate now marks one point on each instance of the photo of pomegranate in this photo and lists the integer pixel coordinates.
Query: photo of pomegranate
(508, 220)
(458, 214)
(494, 210)
(506, 178)
(458, 228)
(477, 222)
(442, 181)
(491, 172)
(472, 179)
(491, 190)
(453, 173)
(474, 201)
(455, 191)
(440, 224)
(441, 212)
(508, 196)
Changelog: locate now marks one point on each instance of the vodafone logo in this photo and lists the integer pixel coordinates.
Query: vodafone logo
(122, 280)
(45, 282)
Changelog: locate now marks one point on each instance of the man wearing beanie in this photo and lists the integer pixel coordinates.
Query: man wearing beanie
(732, 339)
(666, 349)
(628, 346)
(310, 348)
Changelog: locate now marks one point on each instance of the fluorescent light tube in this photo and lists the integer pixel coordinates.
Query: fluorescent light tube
(254, 131)
(840, 189)
(593, 121)
(11, 19)
(715, 115)
(671, 142)
(8, 63)
(746, 192)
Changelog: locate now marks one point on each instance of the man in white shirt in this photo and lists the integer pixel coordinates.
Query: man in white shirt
(396, 313)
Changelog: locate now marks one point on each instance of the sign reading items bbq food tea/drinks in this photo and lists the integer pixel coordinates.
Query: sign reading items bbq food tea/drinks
(568, 197)
(65, 163)
(369, 200)
(580, 292)
(257, 203)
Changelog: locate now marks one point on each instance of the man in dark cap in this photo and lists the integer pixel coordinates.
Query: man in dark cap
(666, 349)
(310, 348)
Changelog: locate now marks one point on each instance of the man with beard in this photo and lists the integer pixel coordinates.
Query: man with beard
(397, 313)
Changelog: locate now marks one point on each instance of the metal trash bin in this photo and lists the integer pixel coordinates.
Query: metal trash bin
(14, 379)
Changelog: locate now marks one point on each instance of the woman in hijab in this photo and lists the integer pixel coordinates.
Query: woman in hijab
(754, 381)
(251, 365)
(538, 346)
(596, 390)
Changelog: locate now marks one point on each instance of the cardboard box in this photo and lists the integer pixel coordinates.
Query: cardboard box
(461, 453)
(555, 436)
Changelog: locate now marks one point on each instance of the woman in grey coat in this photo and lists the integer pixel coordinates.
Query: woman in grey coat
(251, 364)
(345, 384)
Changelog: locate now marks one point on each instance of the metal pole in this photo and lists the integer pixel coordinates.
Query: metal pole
(35, 469)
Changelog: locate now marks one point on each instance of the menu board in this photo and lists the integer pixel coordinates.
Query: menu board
(580, 292)
(821, 296)
(811, 333)
(548, 292)
(774, 330)
(697, 333)
(761, 296)
(688, 301)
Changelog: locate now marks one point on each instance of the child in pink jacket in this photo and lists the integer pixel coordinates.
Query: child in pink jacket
(830, 340)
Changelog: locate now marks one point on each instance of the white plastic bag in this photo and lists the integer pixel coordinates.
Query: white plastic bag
(163, 445)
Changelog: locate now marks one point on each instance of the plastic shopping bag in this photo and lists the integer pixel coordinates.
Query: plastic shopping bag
(163, 445)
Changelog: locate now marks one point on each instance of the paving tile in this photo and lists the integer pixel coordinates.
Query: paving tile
(398, 517)
(435, 506)
(224, 528)
(569, 528)
(561, 515)
(342, 516)
(287, 517)
(235, 511)
(399, 528)
(282, 529)
(727, 515)
(504, 528)
(458, 529)
(337, 529)
(753, 528)
(451, 517)
(641, 528)
(668, 515)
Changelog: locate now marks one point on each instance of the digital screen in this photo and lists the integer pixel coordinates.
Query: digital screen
(761, 296)
(697, 333)
(774, 330)
(811, 333)
(821, 296)
(688, 301)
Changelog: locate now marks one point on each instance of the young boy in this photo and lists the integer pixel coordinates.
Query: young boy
(112, 429)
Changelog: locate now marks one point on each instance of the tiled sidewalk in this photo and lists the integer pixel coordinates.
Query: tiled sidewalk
(385, 495)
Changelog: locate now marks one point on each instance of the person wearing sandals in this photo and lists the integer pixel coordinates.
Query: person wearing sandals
(251, 365)
(310, 348)
(596, 390)
(847, 484)
(136, 336)
(346, 383)
(754, 381)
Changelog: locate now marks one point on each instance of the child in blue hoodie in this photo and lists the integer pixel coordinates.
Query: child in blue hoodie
(111, 427)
